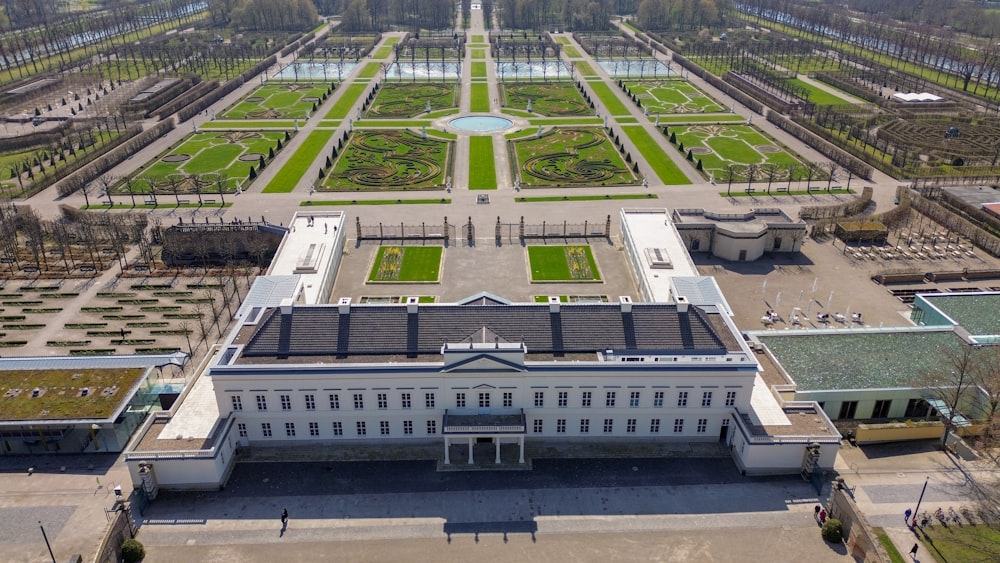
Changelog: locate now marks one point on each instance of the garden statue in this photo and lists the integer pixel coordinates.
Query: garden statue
(529, 104)
(423, 132)
(539, 133)
(427, 107)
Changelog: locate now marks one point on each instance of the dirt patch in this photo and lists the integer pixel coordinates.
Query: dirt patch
(255, 99)
(700, 150)
(310, 99)
(767, 148)
(176, 158)
(250, 157)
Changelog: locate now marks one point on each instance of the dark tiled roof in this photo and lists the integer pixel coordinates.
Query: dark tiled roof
(388, 330)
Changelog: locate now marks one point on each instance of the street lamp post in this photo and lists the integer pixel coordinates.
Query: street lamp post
(919, 500)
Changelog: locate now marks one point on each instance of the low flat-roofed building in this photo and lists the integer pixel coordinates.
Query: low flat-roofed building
(739, 237)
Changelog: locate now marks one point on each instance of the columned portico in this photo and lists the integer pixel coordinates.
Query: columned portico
(496, 428)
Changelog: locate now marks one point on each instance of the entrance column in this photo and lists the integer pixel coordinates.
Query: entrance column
(472, 443)
(496, 441)
(520, 444)
(447, 457)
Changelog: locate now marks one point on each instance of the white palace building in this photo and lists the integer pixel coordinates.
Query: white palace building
(477, 380)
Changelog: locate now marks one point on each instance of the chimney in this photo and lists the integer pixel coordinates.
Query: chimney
(626, 303)
(344, 305)
(412, 303)
(286, 306)
(553, 303)
(682, 304)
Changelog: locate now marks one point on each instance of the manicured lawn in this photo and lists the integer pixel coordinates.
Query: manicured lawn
(477, 39)
(250, 125)
(819, 96)
(624, 120)
(342, 202)
(609, 100)
(565, 121)
(651, 152)
(672, 96)
(960, 544)
(370, 70)
(725, 148)
(478, 54)
(395, 100)
(562, 264)
(571, 157)
(573, 53)
(696, 118)
(584, 68)
(480, 97)
(482, 170)
(479, 70)
(278, 100)
(386, 49)
(546, 98)
(200, 157)
(583, 197)
(296, 166)
(348, 97)
(395, 123)
(407, 264)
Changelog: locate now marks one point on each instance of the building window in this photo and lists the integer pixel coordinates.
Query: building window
(383, 427)
(706, 399)
(847, 409)
(237, 403)
(678, 425)
(338, 428)
(405, 400)
(310, 402)
(362, 430)
(261, 403)
(609, 399)
(702, 425)
(242, 429)
(654, 426)
(290, 429)
(460, 400)
(508, 399)
(563, 398)
(314, 429)
(286, 402)
(730, 398)
(561, 425)
(484, 400)
(537, 426)
(408, 427)
(584, 425)
(585, 400)
(682, 399)
(539, 398)
(633, 399)
(658, 399)
(695, 244)
(383, 400)
(265, 429)
(609, 425)
(334, 401)
(915, 408)
(630, 426)
(359, 401)
(429, 400)
(432, 427)
(881, 409)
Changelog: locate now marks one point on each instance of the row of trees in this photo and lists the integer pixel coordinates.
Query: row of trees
(264, 15)
(385, 15)
(682, 15)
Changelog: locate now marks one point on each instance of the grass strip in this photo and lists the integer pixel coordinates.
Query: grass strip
(293, 170)
(662, 166)
(341, 202)
(482, 169)
(480, 97)
(347, 99)
(369, 70)
(583, 197)
(612, 104)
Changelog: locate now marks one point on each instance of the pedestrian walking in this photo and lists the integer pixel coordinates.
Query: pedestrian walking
(284, 516)
(913, 550)
(822, 516)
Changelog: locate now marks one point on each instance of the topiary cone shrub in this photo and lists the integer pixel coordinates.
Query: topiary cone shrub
(133, 551)
(833, 531)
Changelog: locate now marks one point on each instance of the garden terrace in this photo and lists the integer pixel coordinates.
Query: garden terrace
(671, 96)
(552, 99)
(401, 100)
(279, 101)
(570, 157)
(390, 160)
(735, 152)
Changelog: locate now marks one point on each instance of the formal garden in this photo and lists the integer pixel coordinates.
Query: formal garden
(406, 264)
(389, 160)
(401, 100)
(737, 152)
(671, 96)
(553, 99)
(280, 100)
(205, 161)
(571, 157)
(562, 263)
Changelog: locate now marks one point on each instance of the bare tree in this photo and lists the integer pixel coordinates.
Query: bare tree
(954, 383)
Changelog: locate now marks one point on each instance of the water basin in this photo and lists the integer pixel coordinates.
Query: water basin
(480, 123)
